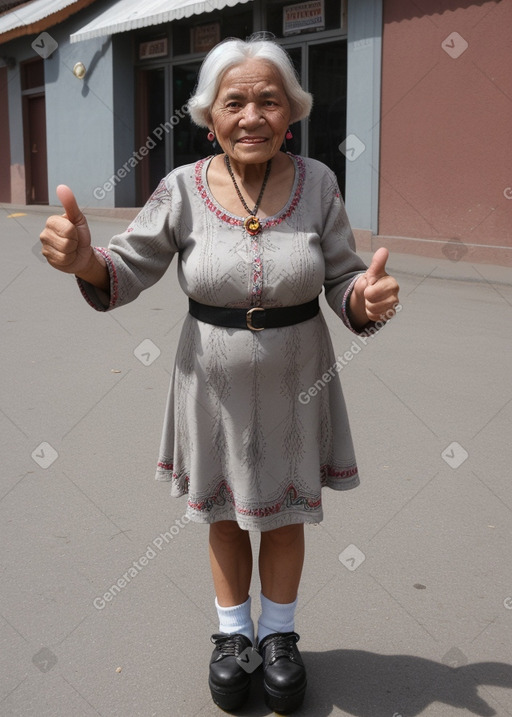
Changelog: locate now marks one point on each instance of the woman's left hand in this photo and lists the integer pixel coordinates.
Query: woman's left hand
(375, 294)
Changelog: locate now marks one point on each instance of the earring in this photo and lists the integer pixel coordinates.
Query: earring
(289, 134)
(210, 136)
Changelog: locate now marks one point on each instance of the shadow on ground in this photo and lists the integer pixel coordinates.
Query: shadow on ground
(366, 684)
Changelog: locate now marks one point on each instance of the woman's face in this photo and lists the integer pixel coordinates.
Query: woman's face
(251, 112)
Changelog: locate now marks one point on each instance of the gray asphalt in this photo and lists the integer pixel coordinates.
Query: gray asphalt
(406, 600)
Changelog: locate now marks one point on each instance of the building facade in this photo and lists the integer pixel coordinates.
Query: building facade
(412, 108)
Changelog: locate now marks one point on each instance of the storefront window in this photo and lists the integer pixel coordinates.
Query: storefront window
(327, 125)
(320, 60)
(190, 141)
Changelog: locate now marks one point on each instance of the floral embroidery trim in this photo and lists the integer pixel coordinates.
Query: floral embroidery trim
(343, 473)
(163, 467)
(204, 196)
(225, 217)
(344, 304)
(114, 281)
(291, 498)
(344, 477)
(257, 273)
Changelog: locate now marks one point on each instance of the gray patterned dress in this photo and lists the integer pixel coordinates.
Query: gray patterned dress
(244, 435)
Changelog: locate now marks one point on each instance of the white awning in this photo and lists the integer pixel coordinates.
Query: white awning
(35, 16)
(131, 14)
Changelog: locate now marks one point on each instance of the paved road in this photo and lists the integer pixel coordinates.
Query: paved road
(406, 600)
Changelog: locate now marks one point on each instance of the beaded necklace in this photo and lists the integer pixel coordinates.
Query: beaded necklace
(251, 224)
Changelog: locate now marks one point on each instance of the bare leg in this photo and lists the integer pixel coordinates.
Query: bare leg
(231, 562)
(280, 562)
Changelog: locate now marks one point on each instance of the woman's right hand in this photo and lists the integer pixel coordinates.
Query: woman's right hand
(67, 246)
(66, 239)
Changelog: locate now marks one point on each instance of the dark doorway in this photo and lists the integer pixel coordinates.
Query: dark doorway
(327, 75)
(5, 140)
(34, 131)
(150, 115)
(189, 141)
(322, 69)
(37, 176)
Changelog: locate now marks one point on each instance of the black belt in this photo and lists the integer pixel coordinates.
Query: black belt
(256, 318)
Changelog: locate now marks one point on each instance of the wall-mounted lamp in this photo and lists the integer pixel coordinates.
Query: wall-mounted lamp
(79, 70)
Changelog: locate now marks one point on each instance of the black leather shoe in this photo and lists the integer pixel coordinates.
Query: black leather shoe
(229, 682)
(284, 674)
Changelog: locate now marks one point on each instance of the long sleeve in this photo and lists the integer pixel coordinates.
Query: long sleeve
(342, 265)
(138, 258)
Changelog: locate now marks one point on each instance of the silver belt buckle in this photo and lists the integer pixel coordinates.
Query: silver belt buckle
(248, 318)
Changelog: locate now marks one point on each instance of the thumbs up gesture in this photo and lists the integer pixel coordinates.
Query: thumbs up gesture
(375, 293)
(66, 239)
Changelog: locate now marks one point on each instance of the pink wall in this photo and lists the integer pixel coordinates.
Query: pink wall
(446, 128)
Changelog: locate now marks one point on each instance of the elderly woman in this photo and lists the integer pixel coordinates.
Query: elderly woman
(258, 233)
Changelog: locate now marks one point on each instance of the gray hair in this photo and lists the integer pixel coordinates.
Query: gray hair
(232, 52)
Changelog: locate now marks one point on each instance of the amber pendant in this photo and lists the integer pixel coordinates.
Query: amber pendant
(252, 225)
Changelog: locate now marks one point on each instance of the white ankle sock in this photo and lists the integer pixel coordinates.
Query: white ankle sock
(276, 617)
(236, 619)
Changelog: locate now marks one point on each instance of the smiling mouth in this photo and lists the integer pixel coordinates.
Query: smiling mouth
(252, 140)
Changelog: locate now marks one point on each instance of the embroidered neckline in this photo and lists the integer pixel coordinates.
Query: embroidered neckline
(226, 216)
